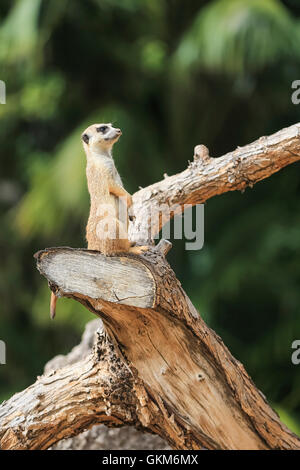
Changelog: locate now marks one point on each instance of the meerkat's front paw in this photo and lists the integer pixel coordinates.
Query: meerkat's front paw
(129, 201)
(138, 250)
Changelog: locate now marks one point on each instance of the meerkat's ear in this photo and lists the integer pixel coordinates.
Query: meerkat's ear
(85, 138)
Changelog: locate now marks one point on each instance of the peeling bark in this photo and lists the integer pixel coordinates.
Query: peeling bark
(101, 437)
(64, 402)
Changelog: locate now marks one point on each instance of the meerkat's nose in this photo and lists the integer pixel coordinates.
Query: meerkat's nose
(118, 131)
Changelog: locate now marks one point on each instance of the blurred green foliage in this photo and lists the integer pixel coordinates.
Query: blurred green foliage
(171, 75)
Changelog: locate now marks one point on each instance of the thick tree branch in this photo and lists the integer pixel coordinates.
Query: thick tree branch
(65, 402)
(101, 436)
(187, 375)
(206, 177)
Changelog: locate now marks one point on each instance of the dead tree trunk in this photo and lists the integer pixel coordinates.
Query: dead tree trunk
(159, 367)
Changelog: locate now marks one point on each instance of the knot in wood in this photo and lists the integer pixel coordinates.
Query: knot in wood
(201, 153)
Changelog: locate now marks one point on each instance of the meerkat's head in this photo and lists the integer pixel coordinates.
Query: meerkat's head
(99, 138)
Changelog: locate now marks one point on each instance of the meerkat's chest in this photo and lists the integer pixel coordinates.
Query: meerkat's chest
(102, 169)
(100, 176)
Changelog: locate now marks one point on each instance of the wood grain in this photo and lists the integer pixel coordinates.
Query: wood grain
(115, 279)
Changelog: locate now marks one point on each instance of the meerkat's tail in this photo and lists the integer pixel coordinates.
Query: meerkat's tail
(53, 301)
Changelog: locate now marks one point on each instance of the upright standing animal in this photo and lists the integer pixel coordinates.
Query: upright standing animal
(107, 225)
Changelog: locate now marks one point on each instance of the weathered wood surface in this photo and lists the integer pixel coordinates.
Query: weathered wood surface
(181, 365)
(115, 279)
(65, 402)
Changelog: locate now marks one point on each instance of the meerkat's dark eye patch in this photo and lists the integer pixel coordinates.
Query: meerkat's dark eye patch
(102, 129)
(85, 138)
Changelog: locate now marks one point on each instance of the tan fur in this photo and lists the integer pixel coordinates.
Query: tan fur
(106, 188)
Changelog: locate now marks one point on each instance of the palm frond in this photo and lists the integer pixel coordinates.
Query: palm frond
(238, 36)
(19, 32)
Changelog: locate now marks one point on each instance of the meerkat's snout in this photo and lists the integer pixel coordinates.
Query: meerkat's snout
(113, 134)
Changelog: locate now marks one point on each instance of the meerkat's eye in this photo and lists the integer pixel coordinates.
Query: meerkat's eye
(102, 129)
(85, 138)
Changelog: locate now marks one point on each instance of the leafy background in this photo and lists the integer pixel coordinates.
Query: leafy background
(172, 75)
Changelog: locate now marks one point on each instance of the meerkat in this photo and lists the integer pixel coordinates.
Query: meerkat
(107, 227)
